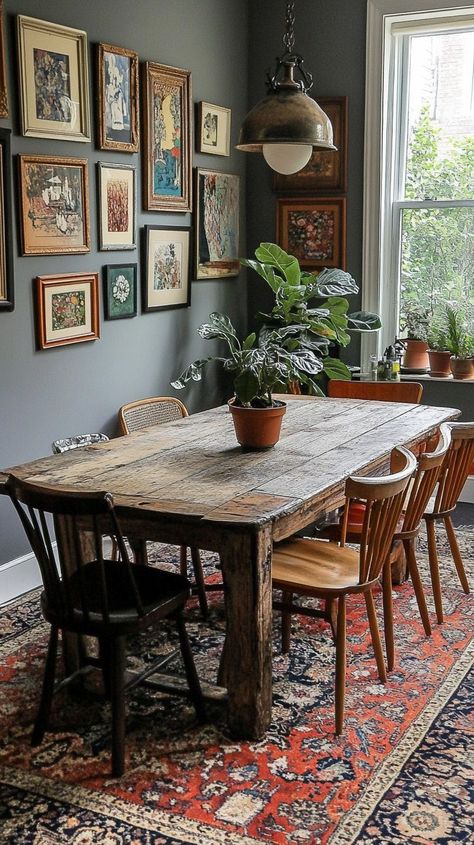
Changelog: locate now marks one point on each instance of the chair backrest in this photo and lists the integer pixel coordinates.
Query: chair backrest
(430, 467)
(456, 466)
(380, 391)
(77, 442)
(383, 497)
(79, 591)
(154, 411)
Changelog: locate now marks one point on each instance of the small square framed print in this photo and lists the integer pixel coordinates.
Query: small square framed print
(167, 270)
(120, 291)
(67, 309)
(117, 206)
(313, 229)
(213, 129)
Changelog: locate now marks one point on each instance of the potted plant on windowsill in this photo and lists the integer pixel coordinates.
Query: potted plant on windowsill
(416, 322)
(310, 312)
(460, 345)
(258, 370)
(438, 352)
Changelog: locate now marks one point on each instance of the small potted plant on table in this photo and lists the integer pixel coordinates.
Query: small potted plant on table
(460, 345)
(258, 370)
(440, 356)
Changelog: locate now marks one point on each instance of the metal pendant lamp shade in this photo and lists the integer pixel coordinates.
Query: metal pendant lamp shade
(287, 118)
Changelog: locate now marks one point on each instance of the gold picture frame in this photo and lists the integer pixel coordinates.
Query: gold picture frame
(67, 309)
(54, 80)
(167, 152)
(54, 205)
(3, 65)
(313, 229)
(118, 102)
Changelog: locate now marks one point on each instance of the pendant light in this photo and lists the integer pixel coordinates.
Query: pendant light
(287, 124)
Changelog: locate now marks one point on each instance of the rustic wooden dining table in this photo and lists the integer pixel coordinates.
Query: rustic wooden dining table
(187, 482)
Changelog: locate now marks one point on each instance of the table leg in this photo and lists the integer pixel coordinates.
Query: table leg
(246, 571)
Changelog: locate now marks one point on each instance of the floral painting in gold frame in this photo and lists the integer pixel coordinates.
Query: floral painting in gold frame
(313, 229)
(67, 309)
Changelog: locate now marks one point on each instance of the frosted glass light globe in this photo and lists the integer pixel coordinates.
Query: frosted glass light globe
(287, 158)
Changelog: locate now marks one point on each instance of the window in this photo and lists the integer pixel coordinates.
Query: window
(419, 203)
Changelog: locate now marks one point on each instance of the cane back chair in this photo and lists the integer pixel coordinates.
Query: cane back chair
(106, 599)
(456, 469)
(320, 569)
(377, 391)
(156, 411)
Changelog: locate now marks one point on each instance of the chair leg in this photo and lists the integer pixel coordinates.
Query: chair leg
(191, 674)
(105, 659)
(183, 561)
(117, 679)
(388, 614)
(199, 578)
(330, 610)
(434, 569)
(139, 549)
(286, 598)
(456, 553)
(340, 663)
(417, 584)
(375, 634)
(42, 717)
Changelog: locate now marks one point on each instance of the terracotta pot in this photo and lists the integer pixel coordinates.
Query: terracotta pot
(416, 355)
(440, 364)
(257, 428)
(462, 367)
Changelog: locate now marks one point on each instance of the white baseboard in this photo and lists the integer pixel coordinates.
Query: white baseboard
(18, 576)
(467, 494)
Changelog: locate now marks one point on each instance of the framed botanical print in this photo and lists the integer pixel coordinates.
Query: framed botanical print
(67, 309)
(118, 101)
(314, 230)
(54, 205)
(120, 291)
(3, 66)
(167, 141)
(117, 206)
(166, 267)
(217, 224)
(54, 84)
(213, 129)
(6, 251)
(326, 169)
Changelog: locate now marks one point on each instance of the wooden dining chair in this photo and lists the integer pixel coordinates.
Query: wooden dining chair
(106, 599)
(377, 391)
(156, 411)
(323, 570)
(456, 469)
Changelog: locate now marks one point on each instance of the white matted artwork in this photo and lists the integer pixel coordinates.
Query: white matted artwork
(166, 276)
(67, 309)
(213, 127)
(117, 206)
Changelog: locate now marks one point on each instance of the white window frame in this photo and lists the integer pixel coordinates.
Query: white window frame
(383, 171)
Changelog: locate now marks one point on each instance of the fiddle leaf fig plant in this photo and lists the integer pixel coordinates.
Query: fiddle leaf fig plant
(257, 369)
(310, 310)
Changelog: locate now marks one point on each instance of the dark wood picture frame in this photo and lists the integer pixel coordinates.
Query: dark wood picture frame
(111, 240)
(70, 286)
(3, 65)
(165, 298)
(314, 230)
(160, 83)
(228, 265)
(114, 307)
(326, 171)
(7, 297)
(111, 101)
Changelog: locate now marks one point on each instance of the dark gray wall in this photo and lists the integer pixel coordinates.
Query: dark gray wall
(59, 392)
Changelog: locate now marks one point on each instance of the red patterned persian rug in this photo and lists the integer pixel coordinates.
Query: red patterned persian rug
(398, 774)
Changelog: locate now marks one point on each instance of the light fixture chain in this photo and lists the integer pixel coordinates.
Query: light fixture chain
(289, 36)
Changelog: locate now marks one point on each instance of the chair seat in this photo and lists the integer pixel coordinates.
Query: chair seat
(160, 594)
(313, 566)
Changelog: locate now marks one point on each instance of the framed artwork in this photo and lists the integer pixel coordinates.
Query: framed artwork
(314, 230)
(120, 291)
(67, 309)
(217, 224)
(3, 66)
(167, 142)
(326, 169)
(167, 265)
(54, 205)
(213, 129)
(6, 250)
(118, 98)
(117, 205)
(54, 84)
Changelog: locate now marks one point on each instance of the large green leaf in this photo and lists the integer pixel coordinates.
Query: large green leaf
(304, 359)
(220, 327)
(191, 373)
(275, 256)
(334, 368)
(335, 283)
(263, 270)
(363, 321)
(246, 386)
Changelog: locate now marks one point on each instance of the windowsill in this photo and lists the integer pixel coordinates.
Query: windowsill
(422, 377)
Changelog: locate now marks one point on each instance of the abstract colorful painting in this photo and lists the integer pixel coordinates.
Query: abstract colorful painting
(120, 291)
(167, 160)
(313, 230)
(118, 98)
(166, 279)
(117, 206)
(67, 309)
(52, 86)
(217, 224)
